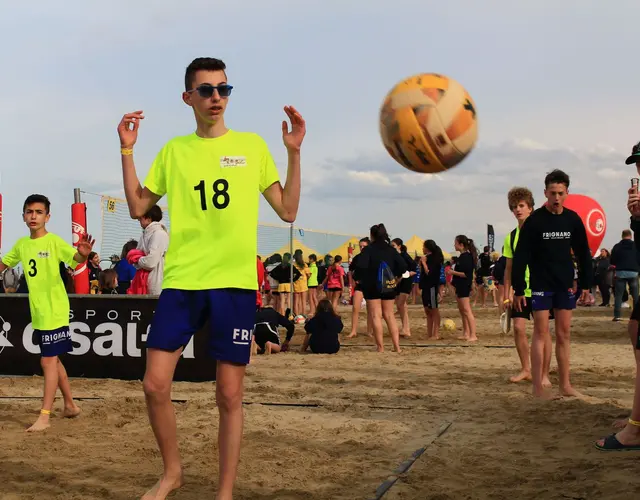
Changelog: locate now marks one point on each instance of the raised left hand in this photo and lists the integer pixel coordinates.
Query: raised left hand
(85, 245)
(293, 139)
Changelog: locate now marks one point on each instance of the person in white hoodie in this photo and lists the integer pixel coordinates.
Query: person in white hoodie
(154, 243)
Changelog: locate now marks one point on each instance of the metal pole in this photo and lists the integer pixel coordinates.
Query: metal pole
(291, 267)
(76, 196)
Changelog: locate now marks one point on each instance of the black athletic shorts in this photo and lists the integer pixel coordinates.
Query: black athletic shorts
(463, 290)
(526, 312)
(334, 289)
(358, 287)
(430, 297)
(374, 294)
(635, 316)
(263, 333)
(405, 286)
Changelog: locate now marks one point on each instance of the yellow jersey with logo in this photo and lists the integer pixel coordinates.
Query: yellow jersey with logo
(509, 252)
(41, 258)
(213, 189)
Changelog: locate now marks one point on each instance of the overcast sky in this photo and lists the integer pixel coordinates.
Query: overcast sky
(555, 84)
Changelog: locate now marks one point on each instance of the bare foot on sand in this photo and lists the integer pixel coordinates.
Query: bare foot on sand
(570, 392)
(547, 383)
(405, 335)
(621, 423)
(163, 488)
(40, 425)
(71, 411)
(523, 375)
(463, 337)
(351, 336)
(545, 395)
(472, 339)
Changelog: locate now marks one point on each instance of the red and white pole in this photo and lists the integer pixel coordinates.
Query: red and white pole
(0, 220)
(78, 228)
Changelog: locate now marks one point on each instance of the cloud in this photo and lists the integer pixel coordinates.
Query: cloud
(473, 194)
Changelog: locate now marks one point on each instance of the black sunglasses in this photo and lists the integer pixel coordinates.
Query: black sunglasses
(206, 90)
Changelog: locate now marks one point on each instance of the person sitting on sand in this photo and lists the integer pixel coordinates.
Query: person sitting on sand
(323, 330)
(266, 339)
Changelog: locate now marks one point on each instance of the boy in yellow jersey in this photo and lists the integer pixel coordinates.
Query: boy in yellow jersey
(41, 254)
(212, 179)
(521, 204)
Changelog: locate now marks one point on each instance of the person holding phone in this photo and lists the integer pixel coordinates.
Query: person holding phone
(628, 439)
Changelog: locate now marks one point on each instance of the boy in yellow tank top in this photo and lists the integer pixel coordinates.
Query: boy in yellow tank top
(212, 179)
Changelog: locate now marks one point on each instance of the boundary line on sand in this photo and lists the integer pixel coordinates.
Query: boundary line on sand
(439, 345)
(247, 403)
(406, 465)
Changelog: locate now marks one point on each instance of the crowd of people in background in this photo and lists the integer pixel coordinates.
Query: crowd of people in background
(138, 270)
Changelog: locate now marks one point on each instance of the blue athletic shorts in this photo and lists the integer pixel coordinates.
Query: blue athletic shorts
(53, 342)
(231, 314)
(544, 301)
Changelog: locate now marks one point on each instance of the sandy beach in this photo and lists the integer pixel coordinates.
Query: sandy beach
(336, 427)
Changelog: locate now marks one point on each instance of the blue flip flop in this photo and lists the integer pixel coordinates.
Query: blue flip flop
(611, 443)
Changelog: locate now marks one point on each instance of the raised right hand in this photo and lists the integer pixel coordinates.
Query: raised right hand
(128, 128)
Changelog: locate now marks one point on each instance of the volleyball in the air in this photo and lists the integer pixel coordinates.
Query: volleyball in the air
(428, 123)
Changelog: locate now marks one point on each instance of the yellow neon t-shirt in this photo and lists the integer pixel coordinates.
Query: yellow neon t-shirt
(41, 257)
(213, 191)
(508, 253)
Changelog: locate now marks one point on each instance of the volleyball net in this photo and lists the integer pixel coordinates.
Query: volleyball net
(118, 228)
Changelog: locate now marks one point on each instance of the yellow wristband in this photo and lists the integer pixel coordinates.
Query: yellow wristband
(126, 151)
(45, 412)
(634, 422)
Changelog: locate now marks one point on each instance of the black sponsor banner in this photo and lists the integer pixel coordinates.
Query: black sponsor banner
(108, 334)
(491, 237)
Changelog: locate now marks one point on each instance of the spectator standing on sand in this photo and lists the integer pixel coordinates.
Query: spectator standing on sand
(154, 243)
(624, 257)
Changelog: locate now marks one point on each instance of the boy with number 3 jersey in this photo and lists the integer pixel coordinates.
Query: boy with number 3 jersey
(40, 255)
(213, 179)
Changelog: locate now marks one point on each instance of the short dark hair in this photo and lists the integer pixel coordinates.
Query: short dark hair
(128, 246)
(37, 198)
(626, 233)
(556, 177)
(154, 213)
(201, 64)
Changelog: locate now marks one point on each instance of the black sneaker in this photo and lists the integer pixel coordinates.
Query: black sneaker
(617, 319)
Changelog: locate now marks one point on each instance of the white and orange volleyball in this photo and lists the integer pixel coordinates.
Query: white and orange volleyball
(428, 123)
